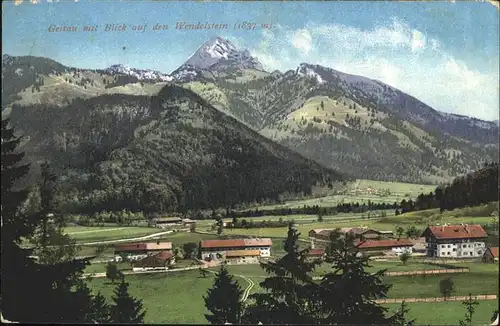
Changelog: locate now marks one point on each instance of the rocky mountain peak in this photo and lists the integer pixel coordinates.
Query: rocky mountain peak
(218, 53)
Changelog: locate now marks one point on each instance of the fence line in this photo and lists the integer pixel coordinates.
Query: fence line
(431, 271)
(439, 299)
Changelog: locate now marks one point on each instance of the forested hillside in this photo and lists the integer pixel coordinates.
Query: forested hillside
(169, 152)
(472, 189)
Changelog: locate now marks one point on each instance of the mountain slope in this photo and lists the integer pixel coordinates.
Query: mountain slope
(345, 122)
(358, 125)
(171, 151)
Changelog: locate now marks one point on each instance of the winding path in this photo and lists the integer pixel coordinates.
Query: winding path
(247, 290)
(124, 240)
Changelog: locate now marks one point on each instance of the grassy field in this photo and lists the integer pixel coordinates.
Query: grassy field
(363, 191)
(482, 279)
(94, 234)
(446, 313)
(167, 300)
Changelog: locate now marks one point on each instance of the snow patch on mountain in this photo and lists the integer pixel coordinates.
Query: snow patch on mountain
(185, 72)
(141, 74)
(218, 53)
(308, 72)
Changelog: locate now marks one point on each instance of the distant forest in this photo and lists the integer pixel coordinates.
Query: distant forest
(472, 189)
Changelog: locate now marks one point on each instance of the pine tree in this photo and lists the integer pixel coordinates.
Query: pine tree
(289, 289)
(99, 310)
(470, 305)
(347, 293)
(14, 226)
(223, 300)
(52, 245)
(31, 292)
(126, 309)
(400, 317)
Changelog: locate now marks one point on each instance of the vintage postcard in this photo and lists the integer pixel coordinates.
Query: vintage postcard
(250, 162)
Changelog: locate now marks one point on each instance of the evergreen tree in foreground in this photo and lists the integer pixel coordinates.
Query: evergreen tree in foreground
(52, 245)
(126, 309)
(99, 310)
(32, 292)
(347, 294)
(16, 265)
(289, 290)
(470, 305)
(223, 300)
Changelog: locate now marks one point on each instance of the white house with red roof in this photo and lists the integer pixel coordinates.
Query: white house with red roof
(455, 241)
(216, 249)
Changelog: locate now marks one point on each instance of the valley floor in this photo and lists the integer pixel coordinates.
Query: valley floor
(177, 296)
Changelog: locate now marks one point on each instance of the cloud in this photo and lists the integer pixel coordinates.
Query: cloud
(394, 53)
(302, 40)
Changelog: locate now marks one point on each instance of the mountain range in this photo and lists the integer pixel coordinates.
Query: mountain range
(352, 124)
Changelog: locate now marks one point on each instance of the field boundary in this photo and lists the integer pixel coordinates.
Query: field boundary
(439, 299)
(431, 271)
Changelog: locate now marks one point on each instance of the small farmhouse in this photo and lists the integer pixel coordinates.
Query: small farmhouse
(455, 241)
(163, 222)
(188, 221)
(219, 249)
(316, 253)
(136, 251)
(242, 256)
(491, 255)
(362, 233)
(161, 260)
(320, 234)
(387, 247)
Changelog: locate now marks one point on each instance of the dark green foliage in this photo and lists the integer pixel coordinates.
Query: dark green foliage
(99, 310)
(404, 257)
(190, 249)
(347, 293)
(412, 232)
(446, 287)
(128, 156)
(470, 305)
(126, 309)
(14, 226)
(400, 317)
(495, 315)
(46, 292)
(112, 272)
(289, 289)
(223, 300)
(399, 231)
(473, 189)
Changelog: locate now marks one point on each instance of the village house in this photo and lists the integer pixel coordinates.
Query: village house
(161, 260)
(387, 247)
(242, 256)
(188, 221)
(316, 253)
(136, 251)
(362, 233)
(491, 255)
(227, 222)
(455, 241)
(235, 248)
(163, 222)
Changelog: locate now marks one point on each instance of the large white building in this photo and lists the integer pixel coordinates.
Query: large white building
(235, 249)
(455, 241)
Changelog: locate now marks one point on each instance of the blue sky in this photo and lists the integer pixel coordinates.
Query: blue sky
(446, 54)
